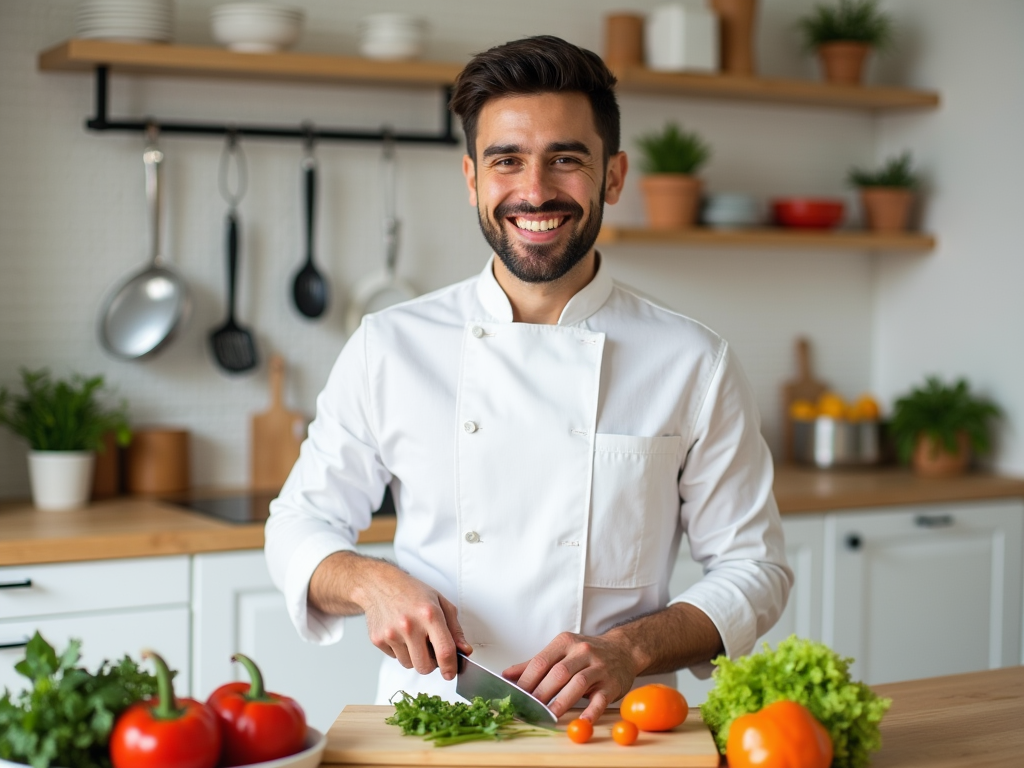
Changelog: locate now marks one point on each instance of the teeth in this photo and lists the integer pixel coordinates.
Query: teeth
(537, 226)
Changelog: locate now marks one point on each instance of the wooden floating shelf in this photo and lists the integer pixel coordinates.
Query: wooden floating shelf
(159, 59)
(770, 238)
(805, 92)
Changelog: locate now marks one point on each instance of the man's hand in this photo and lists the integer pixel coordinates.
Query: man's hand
(405, 618)
(573, 666)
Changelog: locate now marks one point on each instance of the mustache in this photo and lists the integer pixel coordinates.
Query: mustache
(522, 208)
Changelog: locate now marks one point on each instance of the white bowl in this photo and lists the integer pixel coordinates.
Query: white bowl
(392, 36)
(256, 27)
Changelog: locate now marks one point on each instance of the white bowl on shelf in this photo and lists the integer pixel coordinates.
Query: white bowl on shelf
(256, 27)
(392, 36)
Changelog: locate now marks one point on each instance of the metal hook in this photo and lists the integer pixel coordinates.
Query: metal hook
(308, 143)
(233, 151)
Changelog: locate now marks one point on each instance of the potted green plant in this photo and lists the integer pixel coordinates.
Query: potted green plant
(886, 194)
(842, 35)
(936, 427)
(64, 424)
(669, 161)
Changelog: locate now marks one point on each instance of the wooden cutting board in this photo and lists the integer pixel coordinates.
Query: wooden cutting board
(361, 737)
(276, 436)
(803, 387)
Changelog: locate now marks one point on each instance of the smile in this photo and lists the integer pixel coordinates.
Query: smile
(538, 225)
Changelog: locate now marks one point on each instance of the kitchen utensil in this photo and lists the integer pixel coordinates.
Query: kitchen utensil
(157, 460)
(808, 212)
(256, 27)
(803, 387)
(277, 435)
(233, 346)
(149, 308)
(477, 680)
(383, 289)
(827, 442)
(360, 736)
(310, 290)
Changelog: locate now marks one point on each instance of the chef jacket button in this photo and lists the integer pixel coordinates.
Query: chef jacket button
(477, 331)
(470, 426)
(472, 537)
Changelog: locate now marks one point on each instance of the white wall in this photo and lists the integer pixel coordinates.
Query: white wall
(72, 216)
(960, 312)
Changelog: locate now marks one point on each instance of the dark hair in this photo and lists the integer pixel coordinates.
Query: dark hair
(541, 64)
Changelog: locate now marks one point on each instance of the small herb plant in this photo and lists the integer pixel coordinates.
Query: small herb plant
(67, 715)
(62, 415)
(673, 150)
(851, 21)
(896, 172)
(941, 412)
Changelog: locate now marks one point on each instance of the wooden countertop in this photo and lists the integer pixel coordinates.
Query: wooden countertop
(138, 527)
(974, 720)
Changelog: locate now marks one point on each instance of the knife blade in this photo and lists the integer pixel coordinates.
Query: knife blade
(477, 680)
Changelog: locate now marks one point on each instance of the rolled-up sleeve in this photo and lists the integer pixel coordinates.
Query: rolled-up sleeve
(331, 493)
(730, 515)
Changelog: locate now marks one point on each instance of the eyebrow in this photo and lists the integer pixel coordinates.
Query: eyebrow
(555, 146)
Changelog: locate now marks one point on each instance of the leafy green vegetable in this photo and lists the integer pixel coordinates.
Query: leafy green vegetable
(808, 673)
(445, 723)
(66, 718)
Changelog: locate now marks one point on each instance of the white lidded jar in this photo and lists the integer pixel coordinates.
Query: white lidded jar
(681, 36)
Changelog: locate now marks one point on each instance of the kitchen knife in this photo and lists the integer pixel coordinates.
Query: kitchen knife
(476, 680)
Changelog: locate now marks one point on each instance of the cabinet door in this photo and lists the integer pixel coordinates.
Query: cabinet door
(236, 609)
(805, 539)
(916, 592)
(104, 635)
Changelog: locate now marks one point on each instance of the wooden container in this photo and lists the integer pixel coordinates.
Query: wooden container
(624, 40)
(106, 478)
(736, 35)
(158, 461)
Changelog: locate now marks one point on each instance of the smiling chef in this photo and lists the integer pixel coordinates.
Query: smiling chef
(548, 435)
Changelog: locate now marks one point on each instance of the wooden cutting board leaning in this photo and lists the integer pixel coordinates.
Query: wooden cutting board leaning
(361, 737)
(276, 436)
(803, 387)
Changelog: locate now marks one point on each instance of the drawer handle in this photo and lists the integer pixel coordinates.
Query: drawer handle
(14, 643)
(853, 542)
(933, 521)
(19, 584)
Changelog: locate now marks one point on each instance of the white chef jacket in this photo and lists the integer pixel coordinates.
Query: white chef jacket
(543, 475)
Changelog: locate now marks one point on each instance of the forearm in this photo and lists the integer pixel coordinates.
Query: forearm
(339, 585)
(679, 636)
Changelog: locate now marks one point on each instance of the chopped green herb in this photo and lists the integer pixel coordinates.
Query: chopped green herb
(66, 717)
(444, 723)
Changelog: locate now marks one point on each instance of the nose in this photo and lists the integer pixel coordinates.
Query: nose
(536, 185)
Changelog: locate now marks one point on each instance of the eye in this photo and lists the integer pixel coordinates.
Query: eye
(505, 162)
(567, 160)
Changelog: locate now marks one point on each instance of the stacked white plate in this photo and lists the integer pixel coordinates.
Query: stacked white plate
(256, 27)
(144, 21)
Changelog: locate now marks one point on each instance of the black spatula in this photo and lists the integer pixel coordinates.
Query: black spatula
(233, 346)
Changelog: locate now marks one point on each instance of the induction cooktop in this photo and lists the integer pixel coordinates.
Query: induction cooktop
(252, 506)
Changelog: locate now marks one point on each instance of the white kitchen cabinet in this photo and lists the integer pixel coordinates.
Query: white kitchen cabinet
(914, 592)
(114, 607)
(237, 609)
(805, 542)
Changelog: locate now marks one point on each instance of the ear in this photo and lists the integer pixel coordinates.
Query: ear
(615, 177)
(469, 171)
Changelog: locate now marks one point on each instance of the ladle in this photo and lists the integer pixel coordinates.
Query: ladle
(310, 287)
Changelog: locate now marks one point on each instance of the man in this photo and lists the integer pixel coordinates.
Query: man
(548, 437)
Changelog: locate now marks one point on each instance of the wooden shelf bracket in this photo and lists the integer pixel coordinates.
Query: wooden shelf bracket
(102, 122)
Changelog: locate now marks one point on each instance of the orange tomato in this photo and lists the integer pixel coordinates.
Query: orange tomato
(782, 735)
(580, 730)
(654, 707)
(624, 733)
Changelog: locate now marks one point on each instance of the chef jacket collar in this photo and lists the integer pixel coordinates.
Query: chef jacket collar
(586, 302)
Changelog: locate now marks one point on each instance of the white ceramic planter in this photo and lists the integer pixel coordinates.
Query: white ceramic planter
(60, 479)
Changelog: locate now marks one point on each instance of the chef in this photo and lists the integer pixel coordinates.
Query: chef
(549, 437)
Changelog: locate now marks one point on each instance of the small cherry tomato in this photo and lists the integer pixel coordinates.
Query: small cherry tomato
(624, 733)
(580, 730)
(654, 707)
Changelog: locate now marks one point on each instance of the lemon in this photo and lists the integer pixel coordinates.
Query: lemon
(803, 410)
(832, 405)
(865, 409)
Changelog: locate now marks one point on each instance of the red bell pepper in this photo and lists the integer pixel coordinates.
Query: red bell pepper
(165, 732)
(256, 725)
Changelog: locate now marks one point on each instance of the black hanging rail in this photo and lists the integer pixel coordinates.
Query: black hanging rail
(100, 122)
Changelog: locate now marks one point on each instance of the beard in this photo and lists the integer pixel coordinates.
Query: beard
(534, 263)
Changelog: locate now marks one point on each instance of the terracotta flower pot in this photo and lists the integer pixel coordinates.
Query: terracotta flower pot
(624, 40)
(933, 460)
(886, 209)
(671, 199)
(843, 62)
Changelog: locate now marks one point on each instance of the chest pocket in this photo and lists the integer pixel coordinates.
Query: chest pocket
(634, 509)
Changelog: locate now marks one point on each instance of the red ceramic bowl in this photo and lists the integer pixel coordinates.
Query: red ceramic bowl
(808, 212)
